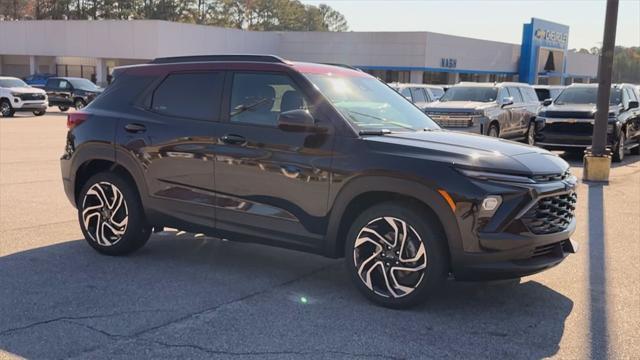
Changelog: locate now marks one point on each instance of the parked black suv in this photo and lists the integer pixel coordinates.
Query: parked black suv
(503, 110)
(313, 157)
(66, 92)
(567, 121)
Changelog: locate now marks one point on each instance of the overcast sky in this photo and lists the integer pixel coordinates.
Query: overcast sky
(491, 20)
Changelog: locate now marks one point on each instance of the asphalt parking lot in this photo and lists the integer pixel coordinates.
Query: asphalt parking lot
(195, 297)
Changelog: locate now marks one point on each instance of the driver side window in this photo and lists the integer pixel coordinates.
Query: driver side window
(260, 98)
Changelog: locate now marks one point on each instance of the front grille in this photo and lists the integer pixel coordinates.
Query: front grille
(31, 97)
(551, 177)
(551, 214)
(549, 250)
(452, 119)
(570, 114)
(570, 128)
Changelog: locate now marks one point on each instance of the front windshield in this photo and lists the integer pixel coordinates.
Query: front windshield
(586, 95)
(371, 105)
(10, 83)
(83, 84)
(470, 93)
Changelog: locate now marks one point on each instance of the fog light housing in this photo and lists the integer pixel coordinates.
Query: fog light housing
(15, 99)
(491, 203)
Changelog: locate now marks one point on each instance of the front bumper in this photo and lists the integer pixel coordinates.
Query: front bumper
(569, 133)
(529, 232)
(22, 105)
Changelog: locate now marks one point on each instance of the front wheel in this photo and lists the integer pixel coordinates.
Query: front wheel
(79, 104)
(63, 108)
(39, 112)
(618, 149)
(494, 131)
(395, 255)
(111, 215)
(5, 109)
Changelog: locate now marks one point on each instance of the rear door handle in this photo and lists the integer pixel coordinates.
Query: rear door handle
(233, 139)
(135, 128)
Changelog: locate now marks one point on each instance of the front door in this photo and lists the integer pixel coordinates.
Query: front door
(272, 185)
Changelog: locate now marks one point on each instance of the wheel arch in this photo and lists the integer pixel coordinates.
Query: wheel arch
(362, 193)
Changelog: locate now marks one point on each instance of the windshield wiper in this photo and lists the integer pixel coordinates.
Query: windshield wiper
(374, 132)
(242, 107)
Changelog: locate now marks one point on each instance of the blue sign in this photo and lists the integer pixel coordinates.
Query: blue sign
(546, 39)
(449, 63)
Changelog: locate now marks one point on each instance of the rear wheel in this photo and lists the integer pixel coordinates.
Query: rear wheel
(39, 112)
(618, 149)
(63, 108)
(395, 255)
(494, 131)
(5, 108)
(111, 215)
(531, 134)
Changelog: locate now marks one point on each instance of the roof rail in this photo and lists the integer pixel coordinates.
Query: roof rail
(206, 58)
(343, 66)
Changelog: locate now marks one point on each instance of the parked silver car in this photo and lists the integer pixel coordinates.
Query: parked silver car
(503, 110)
(419, 94)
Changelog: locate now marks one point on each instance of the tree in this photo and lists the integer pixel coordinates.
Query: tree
(332, 19)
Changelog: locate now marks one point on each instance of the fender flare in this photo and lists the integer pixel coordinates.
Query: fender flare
(421, 192)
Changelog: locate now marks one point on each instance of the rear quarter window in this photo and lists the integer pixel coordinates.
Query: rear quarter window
(189, 95)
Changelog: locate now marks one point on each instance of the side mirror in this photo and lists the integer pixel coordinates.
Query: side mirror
(547, 102)
(633, 104)
(296, 121)
(507, 101)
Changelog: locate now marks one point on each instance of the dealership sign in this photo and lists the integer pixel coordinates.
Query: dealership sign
(541, 38)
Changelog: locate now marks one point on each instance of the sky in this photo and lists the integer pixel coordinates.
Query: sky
(491, 20)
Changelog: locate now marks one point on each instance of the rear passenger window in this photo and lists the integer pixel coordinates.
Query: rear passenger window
(260, 98)
(192, 95)
(515, 94)
(418, 95)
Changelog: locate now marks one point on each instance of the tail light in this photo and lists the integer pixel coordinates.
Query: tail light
(76, 118)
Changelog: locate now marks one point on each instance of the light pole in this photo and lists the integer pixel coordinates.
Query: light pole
(597, 161)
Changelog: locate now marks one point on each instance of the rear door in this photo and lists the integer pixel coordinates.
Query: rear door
(419, 97)
(170, 137)
(517, 110)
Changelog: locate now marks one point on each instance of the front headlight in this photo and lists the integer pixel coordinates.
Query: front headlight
(484, 175)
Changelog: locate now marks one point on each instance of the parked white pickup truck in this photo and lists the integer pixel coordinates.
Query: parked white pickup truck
(16, 95)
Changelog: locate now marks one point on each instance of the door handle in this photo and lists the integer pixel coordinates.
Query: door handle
(135, 128)
(233, 139)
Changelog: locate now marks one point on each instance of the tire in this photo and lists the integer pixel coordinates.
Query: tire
(127, 230)
(6, 110)
(39, 112)
(531, 134)
(424, 243)
(79, 104)
(618, 149)
(494, 131)
(63, 108)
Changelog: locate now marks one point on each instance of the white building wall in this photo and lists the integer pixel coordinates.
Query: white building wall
(142, 40)
(582, 65)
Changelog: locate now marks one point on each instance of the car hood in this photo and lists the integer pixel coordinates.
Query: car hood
(471, 151)
(26, 90)
(582, 108)
(458, 105)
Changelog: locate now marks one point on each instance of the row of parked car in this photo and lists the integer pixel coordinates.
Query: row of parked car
(553, 117)
(64, 92)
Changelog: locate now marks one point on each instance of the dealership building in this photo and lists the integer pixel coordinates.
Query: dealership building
(91, 49)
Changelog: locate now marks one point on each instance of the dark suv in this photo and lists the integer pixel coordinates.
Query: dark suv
(66, 92)
(567, 121)
(317, 158)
